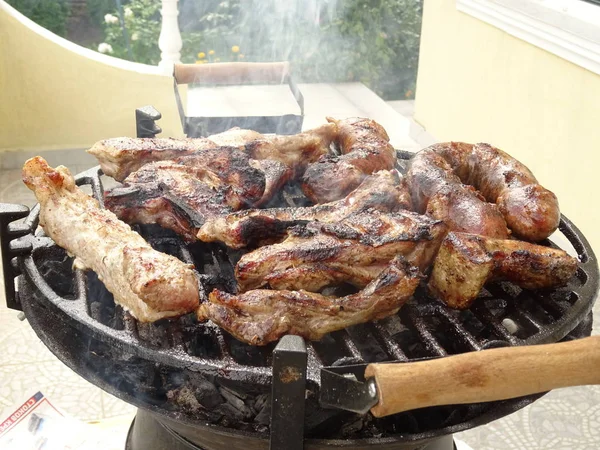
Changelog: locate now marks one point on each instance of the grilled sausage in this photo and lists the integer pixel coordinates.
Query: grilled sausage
(436, 175)
(365, 149)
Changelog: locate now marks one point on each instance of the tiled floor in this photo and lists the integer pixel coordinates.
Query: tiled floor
(564, 419)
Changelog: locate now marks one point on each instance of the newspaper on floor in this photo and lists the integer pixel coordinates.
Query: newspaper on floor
(38, 425)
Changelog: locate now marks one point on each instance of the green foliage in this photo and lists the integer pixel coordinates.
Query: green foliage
(372, 41)
(143, 22)
(97, 9)
(51, 14)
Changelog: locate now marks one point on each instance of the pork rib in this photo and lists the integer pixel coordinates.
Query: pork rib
(261, 316)
(384, 191)
(354, 250)
(149, 284)
(174, 196)
(119, 157)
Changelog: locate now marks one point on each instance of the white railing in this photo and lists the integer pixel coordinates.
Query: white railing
(169, 41)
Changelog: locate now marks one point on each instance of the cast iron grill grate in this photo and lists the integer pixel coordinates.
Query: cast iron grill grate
(505, 315)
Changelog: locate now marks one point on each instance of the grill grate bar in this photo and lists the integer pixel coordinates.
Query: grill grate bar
(389, 344)
(460, 330)
(487, 318)
(555, 309)
(350, 345)
(419, 324)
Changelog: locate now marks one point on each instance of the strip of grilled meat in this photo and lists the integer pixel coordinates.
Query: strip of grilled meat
(465, 262)
(353, 250)
(261, 316)
(365, 149)
(384, 191)
(119, 157)
(176, 197)
(149, 284)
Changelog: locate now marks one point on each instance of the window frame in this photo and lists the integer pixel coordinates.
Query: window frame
(569, 29)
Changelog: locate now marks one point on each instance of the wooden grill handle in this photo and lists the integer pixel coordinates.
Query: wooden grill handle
(232, 73)
(484, 376)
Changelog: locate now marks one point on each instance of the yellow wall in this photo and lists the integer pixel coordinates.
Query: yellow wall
(477, 83)
(53, 97)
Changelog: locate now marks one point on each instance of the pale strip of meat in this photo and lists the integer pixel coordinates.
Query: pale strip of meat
(466, 262)
(350, 251)
(383, 191)
(149, 284)
(365, 149)
(261, 316)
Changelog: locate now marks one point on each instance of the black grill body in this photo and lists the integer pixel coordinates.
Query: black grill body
(157, 366)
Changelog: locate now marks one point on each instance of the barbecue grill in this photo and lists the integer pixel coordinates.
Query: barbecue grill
(198, 387)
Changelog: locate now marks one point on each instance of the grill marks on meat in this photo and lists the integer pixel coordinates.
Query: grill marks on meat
(120, 157)
(171, 195)
(435, 176)
(384, 191)
(465, 262)
(354, 250)
(150, 284)
(365, 149)
(261, 316)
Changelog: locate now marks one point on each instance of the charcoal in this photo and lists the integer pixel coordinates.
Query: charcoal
(237, 392)
(185, 399)
(260, 401)
(206, 393)
(231, 415)
(236, 402)
(264, 416)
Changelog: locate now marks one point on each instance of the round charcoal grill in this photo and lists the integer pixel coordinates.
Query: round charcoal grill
(201, 388)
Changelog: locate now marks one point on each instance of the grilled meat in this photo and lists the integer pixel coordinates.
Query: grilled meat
(436, 175)
(177, 197)
(354, 250)
(119, 157)
(365, 149)
(384, 191)
(150, 284)
(276, 175)
(465, 262)
(261, 316)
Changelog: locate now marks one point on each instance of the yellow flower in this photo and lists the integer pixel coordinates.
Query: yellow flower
(235, 49)
(201, 55)
(211, 52)
(241, 56)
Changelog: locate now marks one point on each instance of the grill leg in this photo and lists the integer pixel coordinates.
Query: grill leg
(288, 393)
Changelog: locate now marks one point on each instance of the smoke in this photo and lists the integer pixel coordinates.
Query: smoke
(371, 41)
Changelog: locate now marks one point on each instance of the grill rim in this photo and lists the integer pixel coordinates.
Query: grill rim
(179, 358)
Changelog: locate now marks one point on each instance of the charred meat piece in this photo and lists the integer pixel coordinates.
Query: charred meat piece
(465, 262)
(436, 175)
(261, 316)
(365, 149)
(120, 157)
(276, 175)
(354, 250)
(383, 191)
(149, 284)
(174, 196)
